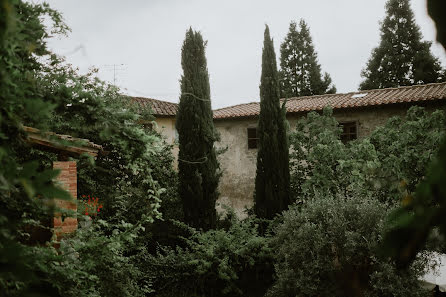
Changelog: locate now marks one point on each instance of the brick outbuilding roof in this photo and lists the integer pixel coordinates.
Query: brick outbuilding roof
(54, 142)
(416, 93)
(159, 108)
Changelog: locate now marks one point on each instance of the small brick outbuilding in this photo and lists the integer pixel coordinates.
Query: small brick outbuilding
(65, 146)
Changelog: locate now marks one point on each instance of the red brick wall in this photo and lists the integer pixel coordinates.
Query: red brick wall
(68, 180)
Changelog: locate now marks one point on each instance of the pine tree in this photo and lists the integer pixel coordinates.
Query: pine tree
(402, 58)
(272, 184)
(198, 168)
(300, 73)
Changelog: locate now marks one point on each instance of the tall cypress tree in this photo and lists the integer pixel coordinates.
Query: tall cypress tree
(300, 73)
(402, 58)
(272, 185)
(198, 168)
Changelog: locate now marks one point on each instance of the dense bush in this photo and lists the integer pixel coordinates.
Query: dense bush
(386, 165)
(406, 146)
(329, 248)
(93, 263)
(329, 244)
(233, 262)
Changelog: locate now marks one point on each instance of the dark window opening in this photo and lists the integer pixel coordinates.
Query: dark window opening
(349, 131)
(147, 126)
(252, 138)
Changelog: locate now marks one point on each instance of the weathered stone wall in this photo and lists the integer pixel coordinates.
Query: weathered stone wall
(239, 163)
(166, 126)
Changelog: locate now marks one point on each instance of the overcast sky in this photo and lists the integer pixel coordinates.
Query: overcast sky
(144, 37)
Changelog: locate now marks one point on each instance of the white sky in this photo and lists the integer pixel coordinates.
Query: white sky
(146, 37)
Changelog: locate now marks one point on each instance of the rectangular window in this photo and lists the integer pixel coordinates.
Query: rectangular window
(148, 126)
(349, 131)
(252, 138)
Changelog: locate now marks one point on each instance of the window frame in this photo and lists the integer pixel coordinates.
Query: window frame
(347, 136)
(252, 139)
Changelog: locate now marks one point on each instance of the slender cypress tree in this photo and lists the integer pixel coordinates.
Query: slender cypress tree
(198, 168)
(273, 176)
(300, 73)
(402, 58)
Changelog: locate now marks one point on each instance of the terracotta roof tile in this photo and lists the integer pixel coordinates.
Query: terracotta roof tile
(159, 108)
(436, 91)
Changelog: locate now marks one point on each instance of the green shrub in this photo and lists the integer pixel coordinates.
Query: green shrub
(329, 248)
(233, 262)
(406, 146)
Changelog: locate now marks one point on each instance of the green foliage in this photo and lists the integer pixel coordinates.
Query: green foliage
(272, 176)
(386, 165)
(93, 263)
(315, 151)
(198, 168)
(410, 225)
(233, 262)
(88, 108)
(164, 231)
(406, 146)
(26, 189)
(402, 58)
(329, 248)
(38, 89)
(300, 72)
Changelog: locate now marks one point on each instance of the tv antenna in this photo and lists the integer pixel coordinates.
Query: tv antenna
(115, 68)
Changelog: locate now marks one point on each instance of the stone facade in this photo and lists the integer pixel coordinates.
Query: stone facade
(166, 127)
(238, 162)
(363, 111)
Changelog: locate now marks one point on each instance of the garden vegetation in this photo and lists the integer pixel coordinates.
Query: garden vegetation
(339, 205)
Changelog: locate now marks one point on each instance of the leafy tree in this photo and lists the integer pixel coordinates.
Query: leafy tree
(387, 165)
(322, 165)
(402, 58)
(328, 247)
(198, 168)
(406, 145)
(272, 183)
(90, 109)
(26, 189)
(316, 136)
(300, 72)
(38, 89)
(410, 226)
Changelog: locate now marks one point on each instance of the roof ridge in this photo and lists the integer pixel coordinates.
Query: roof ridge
(405, 94)
(148, 98)
(240, 104)
(367, 91)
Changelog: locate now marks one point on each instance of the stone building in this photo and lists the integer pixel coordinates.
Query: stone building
(165, 118)
(358, 112)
